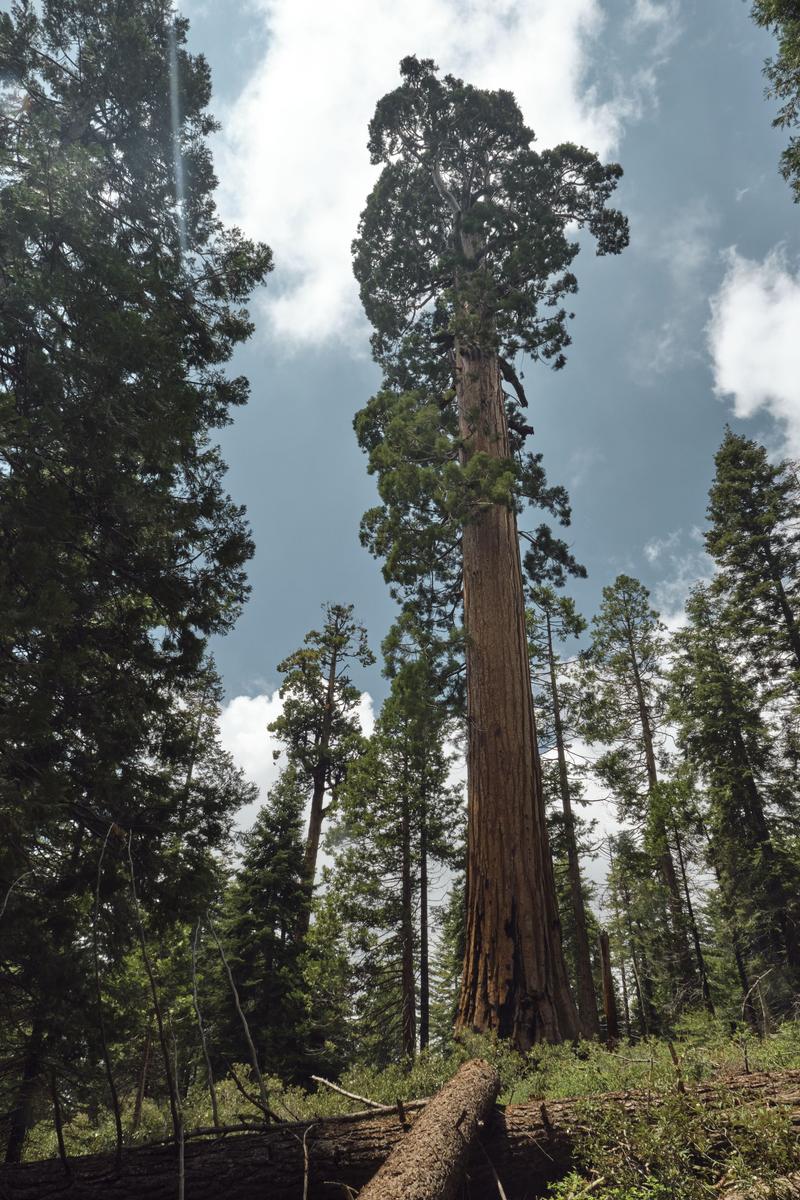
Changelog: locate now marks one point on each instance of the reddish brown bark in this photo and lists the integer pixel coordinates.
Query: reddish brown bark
(609, 995)
(514, 980)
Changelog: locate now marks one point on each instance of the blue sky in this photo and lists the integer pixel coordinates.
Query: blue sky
(696, 324)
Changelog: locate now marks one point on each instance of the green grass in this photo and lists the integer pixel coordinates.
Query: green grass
(705, 1048)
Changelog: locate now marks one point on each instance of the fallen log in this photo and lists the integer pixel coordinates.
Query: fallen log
(529, 1145)
(430, 1161)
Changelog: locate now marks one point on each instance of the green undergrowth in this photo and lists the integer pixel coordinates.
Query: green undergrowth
(705, 1050)
(683, 1148)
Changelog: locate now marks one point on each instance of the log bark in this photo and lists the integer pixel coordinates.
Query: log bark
(430, 1161)
(529, 1145)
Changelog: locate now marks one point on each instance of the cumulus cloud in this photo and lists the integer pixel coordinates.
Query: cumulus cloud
(753, 340)
(681, 558)
(292, 159)
(243, 731)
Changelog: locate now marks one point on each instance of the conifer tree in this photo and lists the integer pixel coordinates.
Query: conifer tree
(463, 259)
(624, 710)
(552, 618)
(754, 538)
(319, 725)
(399, 816)
(261, 939)
(715, 708)
(120, 552)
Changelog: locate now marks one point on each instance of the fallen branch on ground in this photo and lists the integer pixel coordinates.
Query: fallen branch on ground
(529, 1145)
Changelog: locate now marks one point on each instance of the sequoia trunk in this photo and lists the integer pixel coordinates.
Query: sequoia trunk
(514, 980)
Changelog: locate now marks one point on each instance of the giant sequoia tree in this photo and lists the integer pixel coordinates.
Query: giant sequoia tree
(463, 257)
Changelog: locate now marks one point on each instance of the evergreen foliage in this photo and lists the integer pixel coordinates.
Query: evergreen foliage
(782, 17)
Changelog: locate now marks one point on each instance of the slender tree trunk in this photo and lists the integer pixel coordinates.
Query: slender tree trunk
(609, 995)
(20, 1116)
(143, 1072)
(669, 875)
(587, 1001)
(698, 949)
(625, 1005)
(317, 814)
(407, 936)
(59, 1123)
(424, 953)
(514, 980)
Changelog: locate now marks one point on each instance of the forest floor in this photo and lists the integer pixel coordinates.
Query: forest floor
(677, 1145)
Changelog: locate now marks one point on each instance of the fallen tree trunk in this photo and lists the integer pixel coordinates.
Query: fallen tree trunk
(430, 1161)
(529, 1145)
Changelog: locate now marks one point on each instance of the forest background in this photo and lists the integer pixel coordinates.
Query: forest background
(143, 777)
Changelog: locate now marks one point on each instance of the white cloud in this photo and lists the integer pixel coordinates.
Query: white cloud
(292, 158)
(655, 548)
(753, 340)
(243, 731)
(682, 566)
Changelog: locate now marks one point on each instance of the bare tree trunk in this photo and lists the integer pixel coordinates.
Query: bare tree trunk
(137, 1108)
(407, 935)
(430, 1161)
(587, 1000)
(514, 979)
(669, 875)
(698, 949)
(609, 996)
(317, 813)
(59, 1124)
(625, 1006)
(20, 1116)
(424, 953)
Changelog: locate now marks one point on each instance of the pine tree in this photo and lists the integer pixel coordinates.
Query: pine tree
(261, 939)
(726, 737)
(399, 817)
(463, 258)
(624, 709)
(550, 618)
(754, 510)
(319, 725)
(120, 552)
